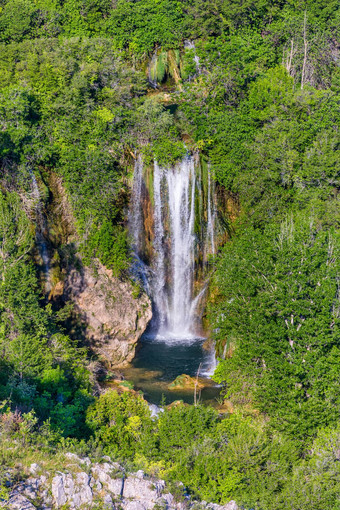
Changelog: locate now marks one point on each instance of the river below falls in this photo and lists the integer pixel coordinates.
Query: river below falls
(159, 361)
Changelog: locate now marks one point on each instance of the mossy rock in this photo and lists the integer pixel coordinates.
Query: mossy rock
(185, 382)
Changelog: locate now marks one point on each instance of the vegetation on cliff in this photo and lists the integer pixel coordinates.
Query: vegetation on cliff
(253, 85)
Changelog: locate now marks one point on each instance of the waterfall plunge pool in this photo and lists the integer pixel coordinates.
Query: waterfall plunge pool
(159, 361)
(174, 208)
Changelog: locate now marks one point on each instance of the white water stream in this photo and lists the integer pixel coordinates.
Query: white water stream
(170, 278)
(41, 243)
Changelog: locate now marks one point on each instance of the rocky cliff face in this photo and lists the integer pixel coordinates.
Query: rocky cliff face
(105, 485)
(108, 314)
(113, 317)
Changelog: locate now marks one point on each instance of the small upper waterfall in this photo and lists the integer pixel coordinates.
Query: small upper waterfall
(135, 215)
(190, 45)
(174, 196)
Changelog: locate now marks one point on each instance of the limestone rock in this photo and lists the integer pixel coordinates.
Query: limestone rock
(135, 505)
(77, 459)
(19, 502)
(103, 485)
(115, 319)
(108, 503)
(230, 506)
(104, 473)
(58, 491)
(34, 468)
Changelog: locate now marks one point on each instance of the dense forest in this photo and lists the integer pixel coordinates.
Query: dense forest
(254, 87)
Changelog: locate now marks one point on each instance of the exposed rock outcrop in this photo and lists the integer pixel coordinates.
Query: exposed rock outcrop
(114, 318)
(105, 485)
(185, 382)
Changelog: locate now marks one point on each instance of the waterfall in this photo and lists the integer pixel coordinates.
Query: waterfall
(190, 45)
(210, 234)
(152, 72)
(139, 269)
(159, 278)
(181, 200)
(173, 200)
(136, 214)
(40, 239)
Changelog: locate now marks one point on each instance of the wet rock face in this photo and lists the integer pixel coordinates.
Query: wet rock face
(114, 318)
(105, 485)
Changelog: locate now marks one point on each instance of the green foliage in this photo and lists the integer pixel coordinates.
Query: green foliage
(74, 98)
(279, 313)
(109, 243)
(120, 422)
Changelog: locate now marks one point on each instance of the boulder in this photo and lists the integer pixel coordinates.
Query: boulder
(103, 473)
(135, 505)
(34, 468)
(108, 503)
(58, 491)
(184, 382)
(19, 502)
(143, 491)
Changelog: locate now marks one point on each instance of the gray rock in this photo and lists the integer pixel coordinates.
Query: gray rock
(76, 458)
(43, 479)
(101, 473)
(108, 503)
(82, 478)
(83, 493)
(29, 493)
(34, 468)
(142, 491)
(19, 502)
(98, 485)
(169, 500)
(230, 506)
(46, 498)
(134, 505)
(58, 491)
(68, 484)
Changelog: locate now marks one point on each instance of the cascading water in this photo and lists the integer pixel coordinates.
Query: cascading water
(40, 239)
(135, 216)
(151, 71)
(181, 200)
(140, 269)
(159, 277)
(170, 277)
(190, 45)
(169, 248)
